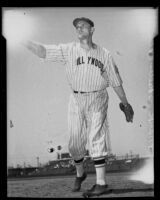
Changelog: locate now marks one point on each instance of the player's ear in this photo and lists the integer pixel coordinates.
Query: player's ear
(92, 30)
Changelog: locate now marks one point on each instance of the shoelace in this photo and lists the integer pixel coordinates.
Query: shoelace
(93, 187)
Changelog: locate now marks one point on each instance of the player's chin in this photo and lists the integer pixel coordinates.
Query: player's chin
(80, 36)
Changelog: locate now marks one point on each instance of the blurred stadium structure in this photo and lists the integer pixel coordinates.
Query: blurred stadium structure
(150, 136)
(65, 166)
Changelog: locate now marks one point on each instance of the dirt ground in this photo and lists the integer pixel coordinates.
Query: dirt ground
(60, 187)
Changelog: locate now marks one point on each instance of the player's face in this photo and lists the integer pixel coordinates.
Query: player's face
(84, 30)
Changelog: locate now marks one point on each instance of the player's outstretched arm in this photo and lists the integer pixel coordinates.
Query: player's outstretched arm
(36, 48)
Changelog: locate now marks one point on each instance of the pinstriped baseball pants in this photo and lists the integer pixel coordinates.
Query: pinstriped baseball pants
(88, 124)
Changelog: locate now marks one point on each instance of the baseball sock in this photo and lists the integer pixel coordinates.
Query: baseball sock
(100, 171)
(79, 167)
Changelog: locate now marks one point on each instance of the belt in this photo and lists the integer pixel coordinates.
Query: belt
(80, 92)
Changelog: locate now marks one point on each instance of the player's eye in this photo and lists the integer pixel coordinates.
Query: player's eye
(77, 27)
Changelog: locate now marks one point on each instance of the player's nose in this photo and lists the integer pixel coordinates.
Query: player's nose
(79, 27)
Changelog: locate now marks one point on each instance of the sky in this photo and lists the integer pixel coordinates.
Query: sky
(38, 93)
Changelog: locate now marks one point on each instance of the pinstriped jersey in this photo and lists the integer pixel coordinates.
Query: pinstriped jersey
(84, 68)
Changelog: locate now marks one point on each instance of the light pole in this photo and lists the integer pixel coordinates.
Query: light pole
(59, 149)
(37, 161)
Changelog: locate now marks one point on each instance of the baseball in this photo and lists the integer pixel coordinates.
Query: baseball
(51, 150)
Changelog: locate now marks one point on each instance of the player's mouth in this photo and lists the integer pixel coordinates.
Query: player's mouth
(79, 32)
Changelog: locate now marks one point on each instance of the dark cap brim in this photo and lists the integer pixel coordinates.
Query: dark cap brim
(90, 22)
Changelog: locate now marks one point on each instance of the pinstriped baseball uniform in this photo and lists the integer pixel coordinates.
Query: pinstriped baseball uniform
(87, 112)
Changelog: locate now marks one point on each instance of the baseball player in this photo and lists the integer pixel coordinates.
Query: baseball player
(90, 69)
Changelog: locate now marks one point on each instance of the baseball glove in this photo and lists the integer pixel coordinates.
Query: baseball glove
(128, 111)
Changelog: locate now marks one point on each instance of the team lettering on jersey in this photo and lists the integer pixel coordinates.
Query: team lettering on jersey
(91, 60)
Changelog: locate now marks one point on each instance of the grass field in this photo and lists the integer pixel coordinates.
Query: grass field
(60, 187)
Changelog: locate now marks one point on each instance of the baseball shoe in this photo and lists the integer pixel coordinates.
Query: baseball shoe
(78, 182)
(97, 190)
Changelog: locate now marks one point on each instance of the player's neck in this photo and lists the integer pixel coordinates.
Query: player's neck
(87, 44)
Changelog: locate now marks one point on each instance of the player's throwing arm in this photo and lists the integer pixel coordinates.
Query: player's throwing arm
(36, 48)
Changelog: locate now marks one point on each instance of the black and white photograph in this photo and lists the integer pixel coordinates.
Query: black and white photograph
(80, 98)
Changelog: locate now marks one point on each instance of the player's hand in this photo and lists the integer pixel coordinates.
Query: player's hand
(25, 43)
(128, 111)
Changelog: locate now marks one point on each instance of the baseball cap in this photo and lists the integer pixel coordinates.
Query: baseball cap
(75, 21)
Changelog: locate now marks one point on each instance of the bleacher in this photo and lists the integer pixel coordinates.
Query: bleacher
(65, 166)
